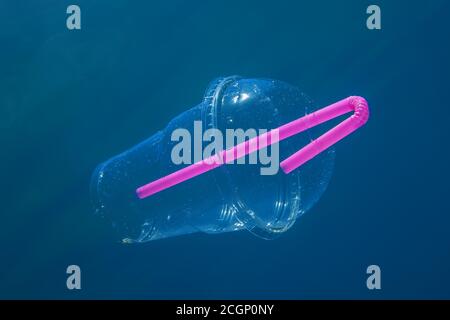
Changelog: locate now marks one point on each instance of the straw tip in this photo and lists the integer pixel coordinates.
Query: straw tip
(358, 101)
(140, 192)
(287, 166)
(361, 107)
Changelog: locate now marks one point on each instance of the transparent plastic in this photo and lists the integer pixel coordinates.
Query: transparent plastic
(229, 198)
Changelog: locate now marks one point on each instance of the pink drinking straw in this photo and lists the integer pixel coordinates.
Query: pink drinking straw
(357, 119)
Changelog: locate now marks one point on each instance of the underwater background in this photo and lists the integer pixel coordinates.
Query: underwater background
(72, 99)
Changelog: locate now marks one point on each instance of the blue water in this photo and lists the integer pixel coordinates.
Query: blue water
(71, 99)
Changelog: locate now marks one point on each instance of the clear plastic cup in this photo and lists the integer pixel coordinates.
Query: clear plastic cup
(229, 198)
